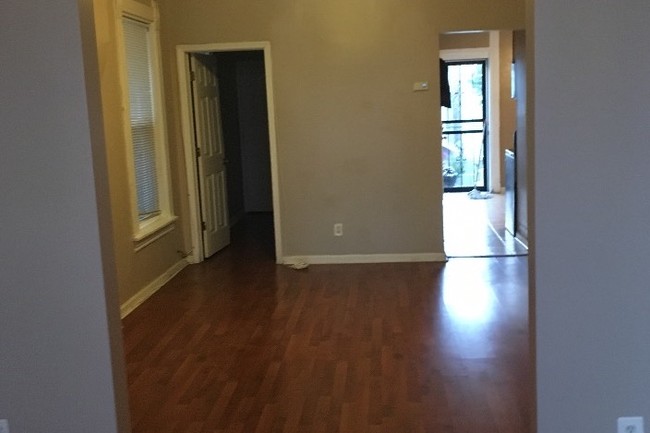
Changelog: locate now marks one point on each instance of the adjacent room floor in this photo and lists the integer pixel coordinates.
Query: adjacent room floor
(476, 228)
(239, 344)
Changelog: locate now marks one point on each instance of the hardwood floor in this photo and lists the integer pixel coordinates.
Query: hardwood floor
(239, 344)
(476, 228)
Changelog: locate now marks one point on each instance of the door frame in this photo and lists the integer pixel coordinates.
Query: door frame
(491, 56)
(184, 82)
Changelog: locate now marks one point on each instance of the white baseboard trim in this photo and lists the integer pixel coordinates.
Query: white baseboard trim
(365, 258)
(136, 300)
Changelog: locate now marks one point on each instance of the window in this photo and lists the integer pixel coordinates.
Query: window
(463, 127)
(141, 111)
(145, 131)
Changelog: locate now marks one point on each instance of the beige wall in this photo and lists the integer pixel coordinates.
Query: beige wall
(135, 270)
(355, 144)
(455, 41)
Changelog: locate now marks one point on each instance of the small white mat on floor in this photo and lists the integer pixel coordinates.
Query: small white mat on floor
(475, 194)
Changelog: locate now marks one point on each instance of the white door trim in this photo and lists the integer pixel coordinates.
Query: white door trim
(491, 54)
(182, 59)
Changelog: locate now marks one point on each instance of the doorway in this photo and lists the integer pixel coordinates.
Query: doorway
(242, 90)
(250, 173)
(476, 131)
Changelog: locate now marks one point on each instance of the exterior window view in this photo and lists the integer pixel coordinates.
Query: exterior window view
(463, 128)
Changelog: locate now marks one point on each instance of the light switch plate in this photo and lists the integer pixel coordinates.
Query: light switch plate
(420, 86)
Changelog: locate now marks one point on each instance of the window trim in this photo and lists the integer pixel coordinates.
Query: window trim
(147, 231)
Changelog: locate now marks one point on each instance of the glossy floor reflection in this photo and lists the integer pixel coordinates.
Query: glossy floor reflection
(476, 228)
(239, 344)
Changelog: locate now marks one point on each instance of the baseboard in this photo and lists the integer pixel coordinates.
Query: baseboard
(136, 300)
(365, 258)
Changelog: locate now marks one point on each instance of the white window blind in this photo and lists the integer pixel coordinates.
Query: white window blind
(142, 115)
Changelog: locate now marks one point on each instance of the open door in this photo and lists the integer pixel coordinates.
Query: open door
(210, 154)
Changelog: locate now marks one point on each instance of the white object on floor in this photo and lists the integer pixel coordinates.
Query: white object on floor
(475, 194)
(298, 265)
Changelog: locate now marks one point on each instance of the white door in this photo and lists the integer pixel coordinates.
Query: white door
(210, 153)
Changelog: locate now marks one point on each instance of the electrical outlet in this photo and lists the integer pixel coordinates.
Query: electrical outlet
(4, 426)
(338, 229)
(630, 424)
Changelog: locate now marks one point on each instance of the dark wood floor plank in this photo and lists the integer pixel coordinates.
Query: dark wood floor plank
(239, 344)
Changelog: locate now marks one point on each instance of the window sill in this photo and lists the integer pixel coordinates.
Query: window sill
(152, 230)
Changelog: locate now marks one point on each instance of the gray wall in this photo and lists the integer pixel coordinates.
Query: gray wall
(55, 349)
(592, 241)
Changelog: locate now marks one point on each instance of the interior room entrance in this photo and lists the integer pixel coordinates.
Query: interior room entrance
(478, 123)
(229, 134)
